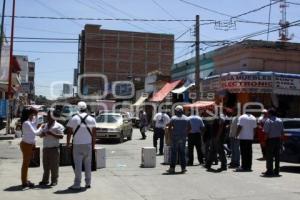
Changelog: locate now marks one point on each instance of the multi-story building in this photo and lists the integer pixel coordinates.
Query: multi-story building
(121, 55)
(254, 71)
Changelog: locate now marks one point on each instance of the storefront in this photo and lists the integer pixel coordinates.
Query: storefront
(280, 90)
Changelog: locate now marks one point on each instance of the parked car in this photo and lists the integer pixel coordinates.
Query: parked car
(113, 126)
(291, 141)
(66, 113)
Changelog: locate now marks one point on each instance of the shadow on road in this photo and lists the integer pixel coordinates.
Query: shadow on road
(15, 188)
(69, 191)
(290, 169)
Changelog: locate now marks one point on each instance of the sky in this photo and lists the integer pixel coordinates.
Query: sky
(55, 61)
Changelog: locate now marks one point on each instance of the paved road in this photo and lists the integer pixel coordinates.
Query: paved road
(124, 179)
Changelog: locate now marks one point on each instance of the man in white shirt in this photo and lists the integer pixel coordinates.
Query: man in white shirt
(246, 129)
(83, 129)
(51, 135)
(161, 120)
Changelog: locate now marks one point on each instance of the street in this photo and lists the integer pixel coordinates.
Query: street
(124, 179)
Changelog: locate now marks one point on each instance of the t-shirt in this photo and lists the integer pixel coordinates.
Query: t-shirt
(180, 127)
(161, 120)
(50, 141)
(248, 124)
(196, 124)
(273, 127)
(82, 136)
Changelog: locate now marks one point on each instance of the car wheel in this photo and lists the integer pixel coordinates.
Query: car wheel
(130, 135)
(121, 139)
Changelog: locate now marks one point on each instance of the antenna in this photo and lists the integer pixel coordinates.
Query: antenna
(284, 24)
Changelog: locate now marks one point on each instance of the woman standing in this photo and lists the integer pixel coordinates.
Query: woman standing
(29, 131)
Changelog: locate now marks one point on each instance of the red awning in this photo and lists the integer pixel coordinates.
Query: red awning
(15, 65)
(163, 92)
(201, 105)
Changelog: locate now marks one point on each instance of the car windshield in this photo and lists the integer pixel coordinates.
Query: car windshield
(108, 118)
(291, 124)
(66, 110)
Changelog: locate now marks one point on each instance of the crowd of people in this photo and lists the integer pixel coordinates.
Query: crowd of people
(214, 138)
(227, 134)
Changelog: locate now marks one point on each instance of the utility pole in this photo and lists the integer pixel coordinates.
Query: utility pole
(9, 87)
(197, 58)
(2, 29)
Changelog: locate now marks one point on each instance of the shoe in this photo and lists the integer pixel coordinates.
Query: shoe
(183, 171)
(190, 164)
(222, 169)
(42, 183)
(233, 166)
(73, 187)
(87, 186)
(28, 184)
(267, 174)
(171, 171)
(53, 184)
(240, 169)
(161, 154)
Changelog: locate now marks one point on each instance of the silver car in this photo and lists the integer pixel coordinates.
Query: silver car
(113, 126)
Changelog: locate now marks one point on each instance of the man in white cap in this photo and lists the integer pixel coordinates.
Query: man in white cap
(83, 129)
(179, 127)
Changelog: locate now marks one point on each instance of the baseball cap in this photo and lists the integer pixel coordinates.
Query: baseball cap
(82, 105)
(179, 108)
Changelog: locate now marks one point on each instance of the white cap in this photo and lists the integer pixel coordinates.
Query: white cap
(179, 108)
(82, 105)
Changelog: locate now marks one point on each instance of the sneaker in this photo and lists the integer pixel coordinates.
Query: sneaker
(73, 187)
(183, 171)
(171, 171)
(28, 184)
(43, 183)
(88, 186)
(53, 184)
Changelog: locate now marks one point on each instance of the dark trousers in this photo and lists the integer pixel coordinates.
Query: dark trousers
(178, 148)
(246, 154)
(50, 164)
(159, 133)
(272, 153)
(194, 140)
(216, 147)
(143, 131)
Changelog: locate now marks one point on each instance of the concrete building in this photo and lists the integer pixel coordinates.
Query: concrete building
(121, 55)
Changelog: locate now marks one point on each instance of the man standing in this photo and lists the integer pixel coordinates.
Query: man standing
(179, 127)
(273, 128)
(195, 138)
(161, 120)
(51, 135)
(143, 123)
(234, 143)
(261, 134)
(217, 144)
(83, 129)
(246, 128)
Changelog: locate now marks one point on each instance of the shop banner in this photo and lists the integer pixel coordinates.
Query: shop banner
(286, 84)
(211, 84)
(247, 82)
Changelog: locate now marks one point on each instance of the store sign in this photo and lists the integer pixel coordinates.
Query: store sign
(248, 83)
(287, 84)
(3, 108)
(211, 84)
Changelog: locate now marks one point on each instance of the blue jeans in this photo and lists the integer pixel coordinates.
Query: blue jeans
(235, 151)
(178, 148)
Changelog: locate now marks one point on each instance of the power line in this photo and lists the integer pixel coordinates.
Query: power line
(293, 3)
(104, 19)
(204, 8)
(167, 12)
(47, 52)
(255, 10)
(55, 11)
